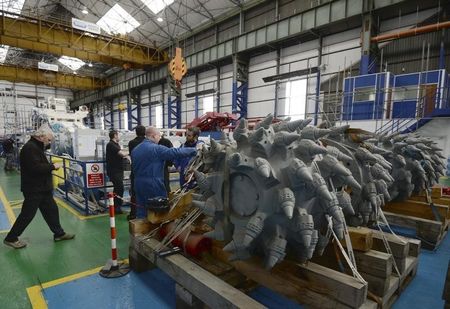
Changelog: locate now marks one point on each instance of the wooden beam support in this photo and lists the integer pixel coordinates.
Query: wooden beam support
(361, 238)
(209, 289)
(418, 209)
(429, 230)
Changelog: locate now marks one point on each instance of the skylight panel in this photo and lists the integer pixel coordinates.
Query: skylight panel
(72, 63)
(13, 6)
(3, 52)
(157, 6)
(118, 21)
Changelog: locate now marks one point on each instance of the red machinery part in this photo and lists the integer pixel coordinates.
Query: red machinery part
(190, 242)
(212, 121)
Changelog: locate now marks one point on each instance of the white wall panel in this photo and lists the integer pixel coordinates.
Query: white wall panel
(260, 109)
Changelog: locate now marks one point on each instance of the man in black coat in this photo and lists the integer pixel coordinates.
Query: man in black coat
(140, 136)
(37, 187)
(114, 168)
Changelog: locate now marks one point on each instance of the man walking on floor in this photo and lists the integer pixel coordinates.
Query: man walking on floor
(37, 187)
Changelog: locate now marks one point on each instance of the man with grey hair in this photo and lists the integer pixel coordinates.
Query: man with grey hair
(37, 188)
(148, 167)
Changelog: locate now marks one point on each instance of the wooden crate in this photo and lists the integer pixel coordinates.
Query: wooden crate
(311, 284)
(376, 266)
(430, 222)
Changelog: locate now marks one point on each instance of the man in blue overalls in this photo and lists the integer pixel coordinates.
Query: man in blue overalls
(148, 167)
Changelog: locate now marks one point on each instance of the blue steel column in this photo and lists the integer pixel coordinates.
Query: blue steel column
(134, 106)
(218, 90)
(129, 109)
(368, 50)
(277, 82)
(319, 63)
(196, 107)
(239, 95)
(174, 103)
(111, 112)
(442, 56)
(150, 106)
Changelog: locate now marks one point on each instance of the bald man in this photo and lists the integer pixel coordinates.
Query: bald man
(148, 167)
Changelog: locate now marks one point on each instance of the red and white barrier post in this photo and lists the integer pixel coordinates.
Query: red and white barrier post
(113, 269)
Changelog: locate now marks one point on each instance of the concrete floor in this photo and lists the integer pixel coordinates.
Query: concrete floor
(65, 275)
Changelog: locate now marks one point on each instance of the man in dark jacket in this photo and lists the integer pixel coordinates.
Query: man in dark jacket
(140, 136)
(37, 187)
(166, 142)
(192, 135)
(148, 165)
(114, 168)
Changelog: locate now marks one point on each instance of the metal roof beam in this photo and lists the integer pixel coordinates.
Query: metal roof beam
(325, 16)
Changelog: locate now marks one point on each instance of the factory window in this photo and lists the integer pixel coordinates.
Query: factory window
(3, 52)
(12, 6)
(405, 93)
(208, 104)
(118, 21)
(157, 6)
(158, 116)
(295, 105)
(364, 94)
(71, 62)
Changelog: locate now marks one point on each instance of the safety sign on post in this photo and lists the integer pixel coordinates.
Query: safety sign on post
(94, 175)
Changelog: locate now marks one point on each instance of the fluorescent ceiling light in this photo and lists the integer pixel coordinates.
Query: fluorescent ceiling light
(118, 21)
(73, 63)
(160, 19)
(13, 6)
(85, 11)
(157, 6)
(3, 52)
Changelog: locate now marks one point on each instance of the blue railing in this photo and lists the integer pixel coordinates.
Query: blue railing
(75, 180)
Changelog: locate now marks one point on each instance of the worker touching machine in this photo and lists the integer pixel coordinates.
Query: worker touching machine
(148, 167)
(192, 135)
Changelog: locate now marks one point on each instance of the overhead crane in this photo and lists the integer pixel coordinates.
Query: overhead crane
(52, 79)
(62, 39)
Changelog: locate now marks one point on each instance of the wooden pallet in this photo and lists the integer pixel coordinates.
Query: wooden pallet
(311, 284)
(421, 217)
(192, 281)
(315, 284)
(387, 286)
(376, 265)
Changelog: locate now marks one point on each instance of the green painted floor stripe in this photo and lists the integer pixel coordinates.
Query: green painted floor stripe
(43, 260)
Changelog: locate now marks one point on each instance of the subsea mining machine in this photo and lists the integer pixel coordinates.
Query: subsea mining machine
(291, 187)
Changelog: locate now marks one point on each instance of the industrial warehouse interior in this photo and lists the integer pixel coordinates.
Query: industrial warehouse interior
(225, 154)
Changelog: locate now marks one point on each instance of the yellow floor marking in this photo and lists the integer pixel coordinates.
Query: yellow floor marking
(9, 211)
(35, 292)
(37, 300)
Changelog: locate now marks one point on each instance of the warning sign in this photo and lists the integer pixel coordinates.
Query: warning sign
(94, 177)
